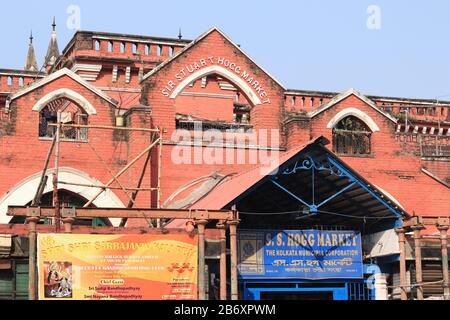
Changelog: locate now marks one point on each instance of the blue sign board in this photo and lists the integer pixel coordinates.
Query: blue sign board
(308, 254)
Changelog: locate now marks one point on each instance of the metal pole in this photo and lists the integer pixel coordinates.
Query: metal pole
(134, 195)
(158, 222)
(444, 249)
(120, 173)
(223, 260)
(43, 182)
(110, 172)
(233, 251)
(32, 280)
(79, 126)
(201, 259)
(55, 174)
(418, 256)
(159, 167)
(401, 241)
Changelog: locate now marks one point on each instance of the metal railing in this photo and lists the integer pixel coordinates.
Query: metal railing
(351, 142)
(434, 146)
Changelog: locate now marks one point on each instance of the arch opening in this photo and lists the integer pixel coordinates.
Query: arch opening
(222, 72)
(68, 199)
(68, 94)
(362, 116)
(70, 113)
(352, 136)
(24, 191)
(216, 98)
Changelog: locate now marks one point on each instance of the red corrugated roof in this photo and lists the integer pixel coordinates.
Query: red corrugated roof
(230, 189)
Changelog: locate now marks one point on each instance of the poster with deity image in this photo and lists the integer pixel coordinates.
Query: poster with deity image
(117, 267)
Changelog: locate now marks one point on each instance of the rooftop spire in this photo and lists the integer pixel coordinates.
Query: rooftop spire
(53, 50)
(31, 63)
(180, 36)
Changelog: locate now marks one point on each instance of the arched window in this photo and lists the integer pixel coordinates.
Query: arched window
(70, 114)
(97, 45)
(351, 136)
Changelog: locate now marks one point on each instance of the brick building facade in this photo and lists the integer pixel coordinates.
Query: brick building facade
(399, 145)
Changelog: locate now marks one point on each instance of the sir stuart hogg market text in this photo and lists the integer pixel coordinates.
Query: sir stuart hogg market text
(234, 67)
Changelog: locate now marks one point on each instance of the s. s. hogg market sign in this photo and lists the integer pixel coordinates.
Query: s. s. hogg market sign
(229, 65)
(308, 254)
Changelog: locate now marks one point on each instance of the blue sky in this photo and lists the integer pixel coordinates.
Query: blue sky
(311, 45)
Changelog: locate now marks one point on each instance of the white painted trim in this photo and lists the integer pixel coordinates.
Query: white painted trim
(343, 96)
(86, 67)
(57, 75)
(215, 69)
(190, 45)
(65, 93)
(391, 197)
(356, 113)
(23, 192)
(24, 75)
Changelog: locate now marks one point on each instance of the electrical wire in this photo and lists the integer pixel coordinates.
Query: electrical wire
(319, 211)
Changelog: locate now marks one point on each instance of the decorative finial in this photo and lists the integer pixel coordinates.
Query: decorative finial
(54, 23)
(180, 36)
(31, 36)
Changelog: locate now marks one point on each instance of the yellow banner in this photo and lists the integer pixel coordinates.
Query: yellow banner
(117, 267)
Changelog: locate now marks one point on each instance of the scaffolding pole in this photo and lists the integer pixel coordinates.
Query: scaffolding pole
(56, 172)
(110, 182)
(44, 178)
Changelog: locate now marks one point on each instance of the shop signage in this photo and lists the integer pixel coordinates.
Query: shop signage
(308, 254)
(228, 64)
(117, 267)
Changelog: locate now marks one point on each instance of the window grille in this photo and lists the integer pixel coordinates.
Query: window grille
(352, 137)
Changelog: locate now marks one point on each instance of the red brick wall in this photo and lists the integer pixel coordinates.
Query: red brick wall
(24, 152)
(393, 168)
(263, 116)
(439, 168)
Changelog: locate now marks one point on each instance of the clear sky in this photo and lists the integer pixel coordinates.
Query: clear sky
(398, 48)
